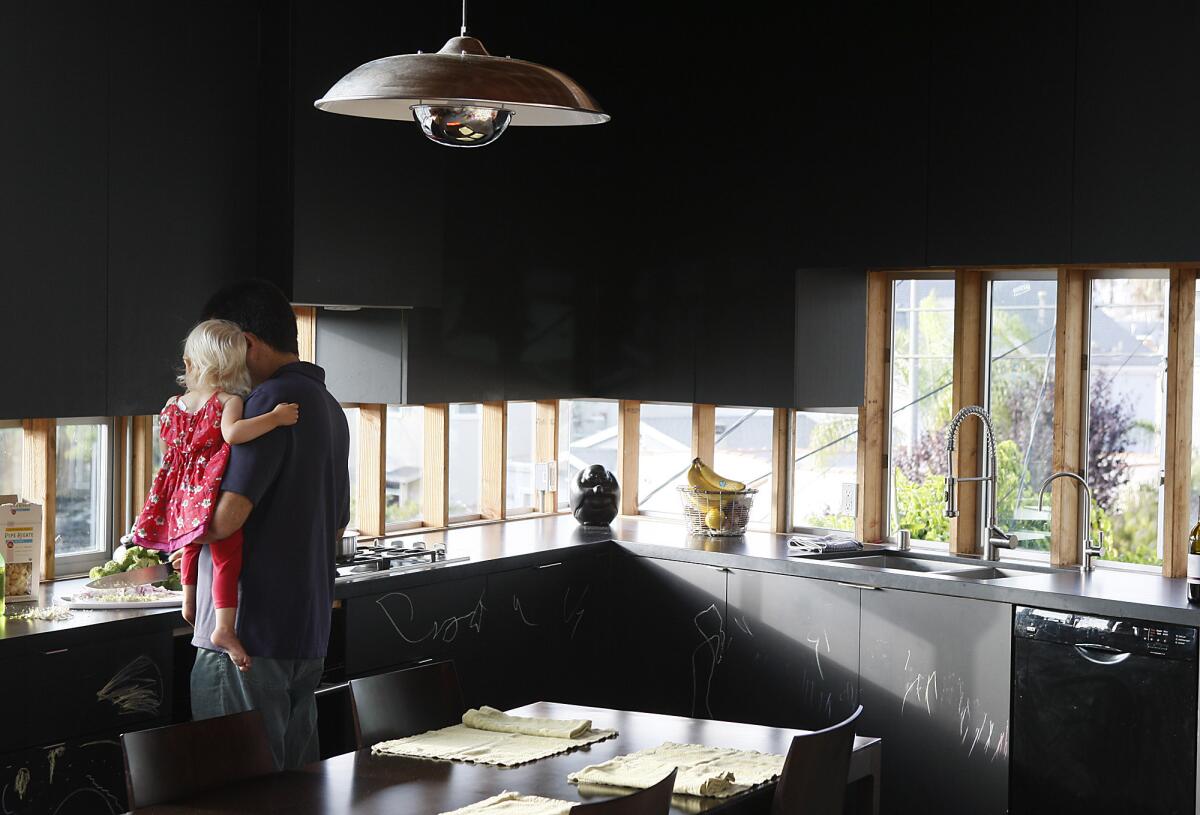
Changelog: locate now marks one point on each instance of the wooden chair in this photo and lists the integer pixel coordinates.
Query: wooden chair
(654, 800)
(165, 764)
(813, 781)
(405, 702)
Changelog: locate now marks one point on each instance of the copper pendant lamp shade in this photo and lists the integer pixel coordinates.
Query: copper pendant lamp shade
(462, 75)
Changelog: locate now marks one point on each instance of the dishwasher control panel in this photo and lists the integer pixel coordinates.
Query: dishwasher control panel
(1110, 634)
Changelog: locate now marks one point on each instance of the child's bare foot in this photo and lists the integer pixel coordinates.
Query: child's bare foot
(227, 640)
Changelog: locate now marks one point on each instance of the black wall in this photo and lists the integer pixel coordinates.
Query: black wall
(650, 257)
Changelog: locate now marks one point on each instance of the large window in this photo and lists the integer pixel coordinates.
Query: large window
(1020, 398)
(11, 441)
(83, 494)
(587, 435)
(922, 369)
(743, 453)
(664, 456)
(826, 471)
(466, 462)
(352, 421)
(1126, 412)
(521, 496)
(405, 465)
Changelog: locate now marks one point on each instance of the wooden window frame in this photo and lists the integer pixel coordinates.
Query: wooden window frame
(1070, 398)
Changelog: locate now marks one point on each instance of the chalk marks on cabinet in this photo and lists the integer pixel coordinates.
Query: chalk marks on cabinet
(64, 779)
(710, 624)
(442, 629)
(135, 689)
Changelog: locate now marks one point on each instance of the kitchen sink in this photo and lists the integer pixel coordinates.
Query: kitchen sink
(908, 564)
(993, 573)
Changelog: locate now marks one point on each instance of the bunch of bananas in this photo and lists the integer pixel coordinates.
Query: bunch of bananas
(712, 501)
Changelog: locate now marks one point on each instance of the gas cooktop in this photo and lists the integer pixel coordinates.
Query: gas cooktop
(392, 557)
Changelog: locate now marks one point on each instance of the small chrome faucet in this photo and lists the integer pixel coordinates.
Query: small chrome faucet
(995, 537)
(1087, 551)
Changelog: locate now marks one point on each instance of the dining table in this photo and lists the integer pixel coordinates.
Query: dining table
(361, 783)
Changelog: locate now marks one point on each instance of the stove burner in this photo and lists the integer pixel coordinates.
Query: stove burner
(391, 557)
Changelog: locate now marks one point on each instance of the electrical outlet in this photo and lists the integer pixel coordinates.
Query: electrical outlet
(849, 500)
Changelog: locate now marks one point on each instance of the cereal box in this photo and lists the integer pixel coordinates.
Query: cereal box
(21, 528)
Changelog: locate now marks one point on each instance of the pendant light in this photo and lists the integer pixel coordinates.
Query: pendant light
(462, 96)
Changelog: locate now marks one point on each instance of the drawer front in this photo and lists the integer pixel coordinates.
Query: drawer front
(437, 621)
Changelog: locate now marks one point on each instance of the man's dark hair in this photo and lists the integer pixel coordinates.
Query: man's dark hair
(260, 308)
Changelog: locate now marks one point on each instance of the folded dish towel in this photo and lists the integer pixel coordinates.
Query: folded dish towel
(825, 543)
(711, 772)
(514, 803)
(488, 718)
(461, 743)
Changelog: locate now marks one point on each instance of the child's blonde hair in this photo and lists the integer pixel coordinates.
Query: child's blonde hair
(214, 356)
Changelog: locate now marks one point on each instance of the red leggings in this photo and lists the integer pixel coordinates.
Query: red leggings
(227, 568)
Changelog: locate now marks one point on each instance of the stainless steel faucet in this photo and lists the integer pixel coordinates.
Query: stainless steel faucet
(1087, 552)
(995, 537)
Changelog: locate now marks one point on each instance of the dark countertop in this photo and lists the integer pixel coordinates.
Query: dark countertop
(522, 543)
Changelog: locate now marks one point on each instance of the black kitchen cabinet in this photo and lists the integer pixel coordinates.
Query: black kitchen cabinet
(646, 335)
(668, 636)
(369, 195)
(75, 777)
(397, 629)
(53, 211)
(935, 682)
(834, 176)
(1000, 133)
(1136, 164)
(103, 687)
(182, 164)
(791, 652)
(545, 624)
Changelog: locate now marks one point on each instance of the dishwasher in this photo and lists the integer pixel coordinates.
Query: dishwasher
(1103, 715)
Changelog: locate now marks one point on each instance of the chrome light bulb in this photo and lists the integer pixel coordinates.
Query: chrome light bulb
(466, 126)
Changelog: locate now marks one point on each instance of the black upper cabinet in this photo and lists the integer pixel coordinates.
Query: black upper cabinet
(182, 181)
(52, 213)
(831, 337)
(1137, 168)
(1001, 132)
(369, 194)
(832, 147)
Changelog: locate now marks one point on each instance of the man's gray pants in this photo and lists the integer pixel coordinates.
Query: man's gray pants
(283, 689)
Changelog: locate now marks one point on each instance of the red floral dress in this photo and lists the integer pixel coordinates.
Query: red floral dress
(184, 492)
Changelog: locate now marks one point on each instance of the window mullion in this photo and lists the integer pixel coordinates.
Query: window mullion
(1177, 516)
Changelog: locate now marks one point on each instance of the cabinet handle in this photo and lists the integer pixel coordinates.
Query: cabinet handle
(550, 565)
(859, 586)
(56, 651)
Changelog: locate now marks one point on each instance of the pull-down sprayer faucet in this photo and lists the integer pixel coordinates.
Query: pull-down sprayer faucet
(995, 537)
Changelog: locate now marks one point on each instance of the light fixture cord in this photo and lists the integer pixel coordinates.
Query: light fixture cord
(463, 30)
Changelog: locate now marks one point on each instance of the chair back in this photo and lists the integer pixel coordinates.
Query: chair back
(405, 702)
(814, 775)
(170, 763)
(654, 800)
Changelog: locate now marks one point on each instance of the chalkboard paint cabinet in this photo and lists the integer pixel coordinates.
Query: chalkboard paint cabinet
(75, 777)
(935, 682)
(103, 687)
(669, 631)
(444, 620)
(61, 752)
(791, 652)
(544, 626)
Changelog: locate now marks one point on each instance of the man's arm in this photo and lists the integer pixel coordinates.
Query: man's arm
(230, 515)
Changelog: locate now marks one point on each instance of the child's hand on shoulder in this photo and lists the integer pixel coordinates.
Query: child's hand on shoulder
(286, 413)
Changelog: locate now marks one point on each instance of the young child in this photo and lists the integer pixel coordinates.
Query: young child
(197, 429)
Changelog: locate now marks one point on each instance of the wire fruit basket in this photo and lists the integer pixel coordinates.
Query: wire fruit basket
(713, 513)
